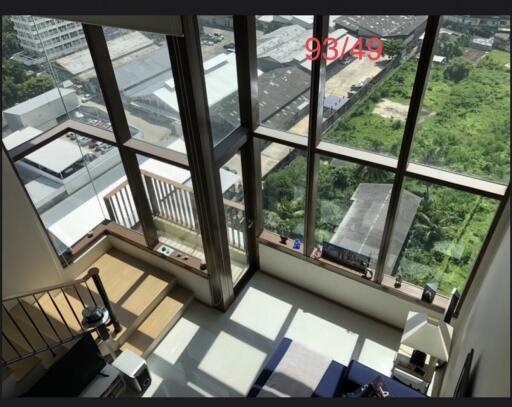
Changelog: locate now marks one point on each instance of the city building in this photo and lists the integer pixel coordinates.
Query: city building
(43, 111)
(484, 44)
(43, 38)
(212, 223)
(406, 28)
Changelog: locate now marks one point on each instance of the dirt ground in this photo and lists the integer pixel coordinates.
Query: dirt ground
(355, 72)
(474, 55)
(301, 127)
(397, 111)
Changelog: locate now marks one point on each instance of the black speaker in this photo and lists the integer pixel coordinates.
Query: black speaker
(429, 292)
(450, 309)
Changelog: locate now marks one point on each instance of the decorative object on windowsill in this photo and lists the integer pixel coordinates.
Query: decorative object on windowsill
(425, 341)
(202, 266)
(450, 309)
(368, 273)
(166, 250)
(398, 281)
(429, 292)
(317, 253)
(345, 257)
(284, 229)
(296, 244)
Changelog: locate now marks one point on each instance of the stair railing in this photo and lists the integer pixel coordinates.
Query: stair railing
(30, 306)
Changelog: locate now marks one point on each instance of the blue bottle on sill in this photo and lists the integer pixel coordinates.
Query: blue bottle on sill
(296, 244)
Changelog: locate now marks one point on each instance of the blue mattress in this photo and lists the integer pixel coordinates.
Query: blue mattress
(329, 385)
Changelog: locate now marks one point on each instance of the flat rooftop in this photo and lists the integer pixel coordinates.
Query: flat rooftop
(19, 137)
(67, 152)
(38, 101)
(81, 61)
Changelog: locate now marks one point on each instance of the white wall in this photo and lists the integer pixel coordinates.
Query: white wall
(484, 323)
(343, 290)
(28, 259)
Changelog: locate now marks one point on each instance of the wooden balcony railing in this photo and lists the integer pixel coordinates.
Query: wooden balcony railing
(173, 202)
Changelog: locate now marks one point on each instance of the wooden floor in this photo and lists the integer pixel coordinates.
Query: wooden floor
(146, 300)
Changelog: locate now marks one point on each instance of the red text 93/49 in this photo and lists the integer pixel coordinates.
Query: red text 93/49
(334, 50)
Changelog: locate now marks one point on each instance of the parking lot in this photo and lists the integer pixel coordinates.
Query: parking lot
(209, 51)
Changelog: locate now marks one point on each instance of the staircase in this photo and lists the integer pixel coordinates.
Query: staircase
(39, 327)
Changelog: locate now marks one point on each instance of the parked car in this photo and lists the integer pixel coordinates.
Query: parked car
(105, 147)
(89, 157)
(86, 97)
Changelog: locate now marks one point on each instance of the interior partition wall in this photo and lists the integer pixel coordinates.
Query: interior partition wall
(203, 158)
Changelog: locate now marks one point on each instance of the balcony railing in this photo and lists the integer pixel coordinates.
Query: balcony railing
(173, 202)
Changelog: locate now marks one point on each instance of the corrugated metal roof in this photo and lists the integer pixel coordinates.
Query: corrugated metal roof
(81, 61)
(383, 26)
(362, 227)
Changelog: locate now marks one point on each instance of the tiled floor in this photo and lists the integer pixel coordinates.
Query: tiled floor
(209, 353)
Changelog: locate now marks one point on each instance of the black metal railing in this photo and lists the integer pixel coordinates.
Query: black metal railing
(44, 320)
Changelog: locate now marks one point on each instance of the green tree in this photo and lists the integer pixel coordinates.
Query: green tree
(457, 70)
(14, 70)
(393, 48)
(35, 86)
(10, 42)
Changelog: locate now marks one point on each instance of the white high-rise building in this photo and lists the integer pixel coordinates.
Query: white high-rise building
(46, 37)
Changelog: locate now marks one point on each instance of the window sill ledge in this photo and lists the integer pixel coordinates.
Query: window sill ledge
(136, 239)
(407, 291)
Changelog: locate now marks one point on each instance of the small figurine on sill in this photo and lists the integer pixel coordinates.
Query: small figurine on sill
(317, 253)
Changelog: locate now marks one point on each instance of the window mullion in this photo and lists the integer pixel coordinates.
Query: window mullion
(316, 103)
(106, 77)
(420, 83)
(188, 72)
(247, 70)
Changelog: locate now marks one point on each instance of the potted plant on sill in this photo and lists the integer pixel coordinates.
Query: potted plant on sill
(284, 229)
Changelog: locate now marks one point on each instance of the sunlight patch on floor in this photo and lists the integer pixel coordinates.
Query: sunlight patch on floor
(232, 362)
(262, 313)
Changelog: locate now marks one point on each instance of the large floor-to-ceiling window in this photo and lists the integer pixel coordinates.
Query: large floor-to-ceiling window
(384, 136)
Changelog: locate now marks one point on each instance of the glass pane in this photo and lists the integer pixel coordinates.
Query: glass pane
(171, 195)
(443, 231)
(69, 181)
(48, 81)
(143, 72)
(219, 62)
(234, 208)
(368, 89)
(30, 98)
(352, 206)
(284, 72)
(283, 174)
(467, 126)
